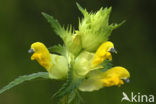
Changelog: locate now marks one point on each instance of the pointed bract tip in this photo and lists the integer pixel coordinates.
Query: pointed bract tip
(43, 13)
(81, 9)
(115, 26)
(110, 8)
(78, 5)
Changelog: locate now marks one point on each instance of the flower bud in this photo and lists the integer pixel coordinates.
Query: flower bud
(94, 28)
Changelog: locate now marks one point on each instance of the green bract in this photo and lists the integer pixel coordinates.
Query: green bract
(59, 68)
(94, 28)
(92, 81)
(82, 64)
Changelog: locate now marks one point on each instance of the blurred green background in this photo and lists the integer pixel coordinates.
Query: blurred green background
(21, 24)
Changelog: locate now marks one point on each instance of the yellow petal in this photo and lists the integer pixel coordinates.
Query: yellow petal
(41, 54)
(115, 76)
(102, 53)
(114, 81)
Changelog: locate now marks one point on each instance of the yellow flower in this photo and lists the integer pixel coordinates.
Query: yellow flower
(103, 53)
(56, 65)
(41, 54)
(115, 76)
(97, 79)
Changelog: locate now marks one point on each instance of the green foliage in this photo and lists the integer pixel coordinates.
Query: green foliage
(68, 93)
(107, 65)
(115, 26)
(73, 97)
(83, 11)
(54, 24)
(72, 85)
(24, 78)
(61, 91)
(71, 41)
(60, 31)
(59, 49)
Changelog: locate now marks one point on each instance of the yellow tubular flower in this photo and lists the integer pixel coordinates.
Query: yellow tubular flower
(41, 54)
(115, 76)
(103, 53)
(56, 65)
(97, 79)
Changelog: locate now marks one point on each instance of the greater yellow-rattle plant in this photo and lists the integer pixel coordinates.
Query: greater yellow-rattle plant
(83, 61)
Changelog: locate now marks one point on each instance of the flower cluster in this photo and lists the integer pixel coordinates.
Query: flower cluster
(86, 52)
(83, 61)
